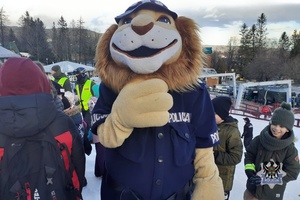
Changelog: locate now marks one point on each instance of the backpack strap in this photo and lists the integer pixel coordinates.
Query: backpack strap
(64, 147)
(67, 164)
(18, 190)
(10, 150)
(49, 170)
(62, 142)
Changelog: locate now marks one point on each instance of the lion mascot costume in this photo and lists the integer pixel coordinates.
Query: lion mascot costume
(154, 116)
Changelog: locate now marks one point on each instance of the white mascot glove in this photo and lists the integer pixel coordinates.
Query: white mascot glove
(140, 104)
(208, 184)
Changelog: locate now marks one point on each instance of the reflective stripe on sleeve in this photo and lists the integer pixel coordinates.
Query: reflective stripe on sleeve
(250, 166)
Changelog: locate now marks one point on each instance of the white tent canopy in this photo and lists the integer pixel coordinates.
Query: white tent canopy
(5, 53)
(67, 66)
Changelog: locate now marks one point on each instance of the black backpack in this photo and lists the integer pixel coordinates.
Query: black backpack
(33, 168)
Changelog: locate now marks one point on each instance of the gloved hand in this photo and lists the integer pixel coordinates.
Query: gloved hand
(140, 104)
(90, 136)
(252, 182)
(143, 104)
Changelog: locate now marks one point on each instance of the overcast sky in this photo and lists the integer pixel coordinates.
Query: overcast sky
(218, 19)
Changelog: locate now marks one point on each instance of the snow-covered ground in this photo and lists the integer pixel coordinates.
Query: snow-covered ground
(92, 190)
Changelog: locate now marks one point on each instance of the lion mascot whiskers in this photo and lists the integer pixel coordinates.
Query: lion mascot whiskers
(154, 116)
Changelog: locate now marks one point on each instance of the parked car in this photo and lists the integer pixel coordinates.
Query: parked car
(222, 88)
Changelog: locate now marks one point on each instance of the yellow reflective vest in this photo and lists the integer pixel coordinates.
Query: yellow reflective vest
(85, 95)
(62, 81)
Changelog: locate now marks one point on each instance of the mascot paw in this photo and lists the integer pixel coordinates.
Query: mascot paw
(143, 104)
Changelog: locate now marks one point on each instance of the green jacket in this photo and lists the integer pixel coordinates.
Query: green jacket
(265, 147)
(229, 152)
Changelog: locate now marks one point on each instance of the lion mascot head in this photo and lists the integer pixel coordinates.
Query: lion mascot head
(150, 41)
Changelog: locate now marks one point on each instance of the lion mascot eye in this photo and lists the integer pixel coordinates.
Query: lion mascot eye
(164, 20)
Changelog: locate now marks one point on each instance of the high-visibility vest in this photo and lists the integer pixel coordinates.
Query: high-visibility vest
(85, 95)
(62, 81)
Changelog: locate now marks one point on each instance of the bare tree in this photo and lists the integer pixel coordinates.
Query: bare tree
(231, 54)
(292, 69)
(266, 66)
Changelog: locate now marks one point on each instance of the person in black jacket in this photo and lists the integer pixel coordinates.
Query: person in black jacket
(248, 132)
(61, 78)
(27, 109)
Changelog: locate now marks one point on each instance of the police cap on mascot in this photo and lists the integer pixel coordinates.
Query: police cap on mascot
(154, 116)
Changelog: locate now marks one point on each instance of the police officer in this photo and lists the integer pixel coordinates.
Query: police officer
(61, 78)
(248, 132)
(84, 90)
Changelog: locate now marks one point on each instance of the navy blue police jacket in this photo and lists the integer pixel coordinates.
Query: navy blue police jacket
(157, 162)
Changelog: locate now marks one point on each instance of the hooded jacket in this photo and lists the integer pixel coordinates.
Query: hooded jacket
(229, 152)
(27, 107)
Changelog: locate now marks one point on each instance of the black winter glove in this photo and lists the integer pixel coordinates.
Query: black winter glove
(252, 182)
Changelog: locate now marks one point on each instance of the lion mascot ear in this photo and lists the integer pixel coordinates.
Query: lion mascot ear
(153, 114)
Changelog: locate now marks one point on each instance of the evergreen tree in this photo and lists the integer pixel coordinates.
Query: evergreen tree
(81, 39)
(252, 34)
(295, 44)
(13, 42)
(73, 41)
(42, 51)
(11, 36)
(27, 32)
(54, 42)
(261, 31)
(284, 47)
(3, 20)
(284, 42)
(63, 41)
(243, 57)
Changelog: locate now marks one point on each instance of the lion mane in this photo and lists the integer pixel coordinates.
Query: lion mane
(181, 75)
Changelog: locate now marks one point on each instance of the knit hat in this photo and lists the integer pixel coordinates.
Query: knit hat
(56, 68)
(283, 116)
(20, 76)
(222, 106)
